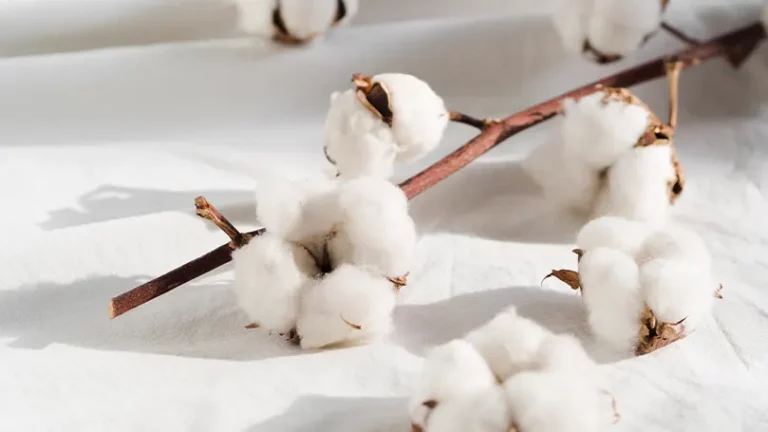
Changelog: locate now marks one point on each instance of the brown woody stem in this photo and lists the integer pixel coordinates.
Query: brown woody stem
(673, 78)
(207, 211)
(730, 44)
(481, 124)
(735, 45)
(682, 37)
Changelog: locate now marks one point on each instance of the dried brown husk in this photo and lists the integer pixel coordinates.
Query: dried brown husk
(655, 334)
(375, 97)
(569, 277)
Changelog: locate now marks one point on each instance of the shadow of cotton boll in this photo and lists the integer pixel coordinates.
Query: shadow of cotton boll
(199, 321)
(352, 414)
(420, 327)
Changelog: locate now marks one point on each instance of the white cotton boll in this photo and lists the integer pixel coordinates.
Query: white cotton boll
(349, 305)
(556, 401)
(571, 19)
(375, 230)
(613, 232)
(620, 26)
(676, 290)
(610, 287)
(675, 242)
(637, 185)
(509, 343)
(307, 19)
(419, 115)
(450, 371)
(481, 411)
(269, 274)
(301, 211)
(568, 184)
(598, 133)
(565, 352)
(358, 142)
(255, 16)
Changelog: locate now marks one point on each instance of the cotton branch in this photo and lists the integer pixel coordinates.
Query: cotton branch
(735, 46)
(207, 211)
(682, 37)
(481, 124)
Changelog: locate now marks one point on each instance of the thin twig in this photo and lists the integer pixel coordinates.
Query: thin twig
(673, 78)
(730, 44)
(481, 124)
(735, 45)
(682, 37)
(207, 211)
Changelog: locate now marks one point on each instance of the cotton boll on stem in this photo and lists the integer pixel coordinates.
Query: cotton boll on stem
(509, 343)
(571, 20)
(482, 411)
(613, 232)
(349, 305)
(556, 401)
(675, 242)
(611, 293)
(618, 27)
(450, 371)
(599, 128)
(269, 273)
(638, 185)
(375, 230)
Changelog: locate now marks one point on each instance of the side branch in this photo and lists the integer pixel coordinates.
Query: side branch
(734, 45)
(207, 211)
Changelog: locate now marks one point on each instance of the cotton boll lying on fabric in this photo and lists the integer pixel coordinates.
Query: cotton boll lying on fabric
(637, 185)
(610, 287)
(621, 26)
(597, 129)
(269, 273)
(572, 185)
(677, 290)
(450, 371)
(356, 141)
(419, 115)
(349, 305)
(300, 211)
(675, 242)
(556, 401)
(481, 411)
(375, 229)
(613, 232)
(509, 343)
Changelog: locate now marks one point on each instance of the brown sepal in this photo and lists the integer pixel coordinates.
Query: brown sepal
(399, 281)
(341, 12)
(353, 325)
(375, 97)
(252, 325)
(656, 334)
(599, 57)
(570, 277)
(718, 292)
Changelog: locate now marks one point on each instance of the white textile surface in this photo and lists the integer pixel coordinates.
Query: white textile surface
(102, 153)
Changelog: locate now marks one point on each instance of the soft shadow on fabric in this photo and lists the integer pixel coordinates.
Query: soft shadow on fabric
(313, 413)
(195, 320)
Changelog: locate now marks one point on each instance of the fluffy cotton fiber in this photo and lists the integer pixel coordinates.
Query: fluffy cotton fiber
(615, 233)
(482, 411)
(610, 287)
(611, 27)
(674, 242)
(360, 143)
(509, 343)
(269, 273)
(349, 305)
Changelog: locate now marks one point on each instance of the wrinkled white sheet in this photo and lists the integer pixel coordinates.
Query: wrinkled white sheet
(102, 153)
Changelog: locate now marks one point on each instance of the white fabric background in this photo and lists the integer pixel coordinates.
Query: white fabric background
(103, 150)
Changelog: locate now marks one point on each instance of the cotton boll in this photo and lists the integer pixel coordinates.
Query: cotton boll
(565, 352)
(357, 141)
(613, 232)
(568, 184)
(571, 20)
(675, 242)
(598, 130)
(450, 371)
(269, 273)
(509, 343)
(293, 20)
(556, 401)
(481, 411)
(675, 290)
(307, 19)
(611, 293)
(255, 16)
(419, 115)
(375, 229)
(637, 185)
(349, 305)
(301, 211)
(618, 27)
